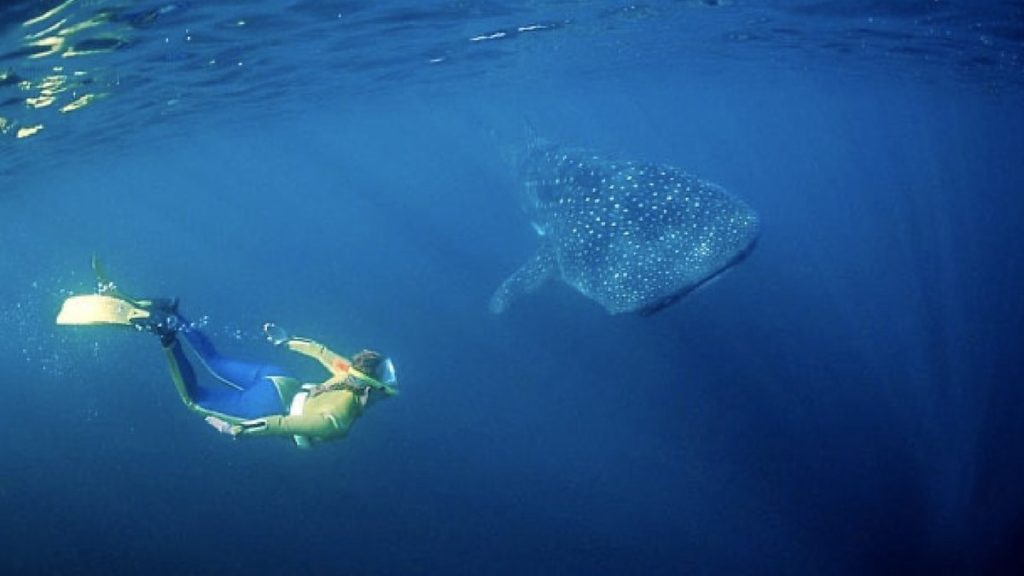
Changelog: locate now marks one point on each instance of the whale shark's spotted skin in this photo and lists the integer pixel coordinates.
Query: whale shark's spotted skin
(634, 237)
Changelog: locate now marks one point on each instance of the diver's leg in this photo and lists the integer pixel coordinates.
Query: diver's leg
(258, 401)
(250, 394)
(234, 402)
(237, 374)
(182, 374)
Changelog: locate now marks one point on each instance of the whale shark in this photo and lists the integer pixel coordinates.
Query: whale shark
(631, 236)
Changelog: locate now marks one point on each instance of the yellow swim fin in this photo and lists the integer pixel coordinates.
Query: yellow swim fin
(97, 309)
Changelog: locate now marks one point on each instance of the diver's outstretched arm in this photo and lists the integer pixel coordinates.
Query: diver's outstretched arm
(335, 363)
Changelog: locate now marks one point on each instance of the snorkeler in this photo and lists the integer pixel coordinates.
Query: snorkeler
(254, 399)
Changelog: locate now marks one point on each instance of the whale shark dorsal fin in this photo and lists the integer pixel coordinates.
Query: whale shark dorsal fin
(533, 274)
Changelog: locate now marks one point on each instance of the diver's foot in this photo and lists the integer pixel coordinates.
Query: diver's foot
(167, 305)
(163, 319)
(168, 338)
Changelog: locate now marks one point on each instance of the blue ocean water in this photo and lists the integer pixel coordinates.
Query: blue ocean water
(847, 400)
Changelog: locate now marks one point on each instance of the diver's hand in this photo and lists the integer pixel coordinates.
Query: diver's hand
(275, 334)
(223, 426)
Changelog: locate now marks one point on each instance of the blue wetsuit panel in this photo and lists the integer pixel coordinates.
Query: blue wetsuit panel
(244, 389)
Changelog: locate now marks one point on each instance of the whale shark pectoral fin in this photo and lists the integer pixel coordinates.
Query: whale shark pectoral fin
(540, 268)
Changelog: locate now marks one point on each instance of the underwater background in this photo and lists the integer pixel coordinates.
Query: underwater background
(847, 400)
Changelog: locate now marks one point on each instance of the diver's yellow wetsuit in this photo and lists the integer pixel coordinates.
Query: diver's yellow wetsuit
(321, 412)
(326, 415)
